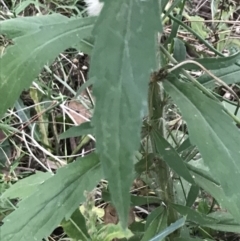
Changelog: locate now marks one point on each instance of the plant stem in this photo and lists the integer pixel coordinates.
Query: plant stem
(161, 172)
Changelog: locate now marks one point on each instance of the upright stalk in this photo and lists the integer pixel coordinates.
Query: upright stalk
(164, 184)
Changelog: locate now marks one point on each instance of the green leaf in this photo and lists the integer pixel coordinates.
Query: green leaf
(174, 226)
(194, 216)
(199, 167)
(204, 180)
(138, 229)
(218, 221)
(117, 58)
(179, 52)
(111, 231)
(24, 114)
(75, 227)
(181, 188)
(214, 7)
(135, 200)
(85, 46)
(37, 41)
(231, 108)
(192, 195)
(56, 198)
(5, 151)
(226, 222)
(156, 222)
(83, 129)
(174, 30)
(215, 135)
(27, 186)
(214, 63)
(229, 74)
(85, 85)
(184, 146)
(167, 153)
(145, 161)
(197, 24)
(192, 239)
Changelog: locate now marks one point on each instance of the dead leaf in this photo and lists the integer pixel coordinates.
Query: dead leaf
(2, 135)
(110, 215)
(78, 113)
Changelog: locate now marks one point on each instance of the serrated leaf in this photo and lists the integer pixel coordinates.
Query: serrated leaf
(37, 41)
(121, 50)
(215, 135)
(56, 198)
(27, 186)
(75, 227)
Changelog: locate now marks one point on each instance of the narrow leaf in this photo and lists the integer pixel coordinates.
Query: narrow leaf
(193, 239)
(173, 227)
(156, 222)
(215, 135)
(37, 41)
(125, 44)
(136, 200)
(194, 216)
(179, 52)
(229, 74)
(192, 195)
(226, 222)
(110, 232)
(83, 129)
(204, 180)
(75, 227)
(167, 153)
(211, 221)
(214, 63)
(56, 198)
(27, 186)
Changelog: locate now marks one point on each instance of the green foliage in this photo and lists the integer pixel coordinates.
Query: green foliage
(219, 151)
(46, 37)
(156, 222)
(122, 92)
(26, 187)
(75, 227)
(169, 155)
(63, 191)
(133, 86)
